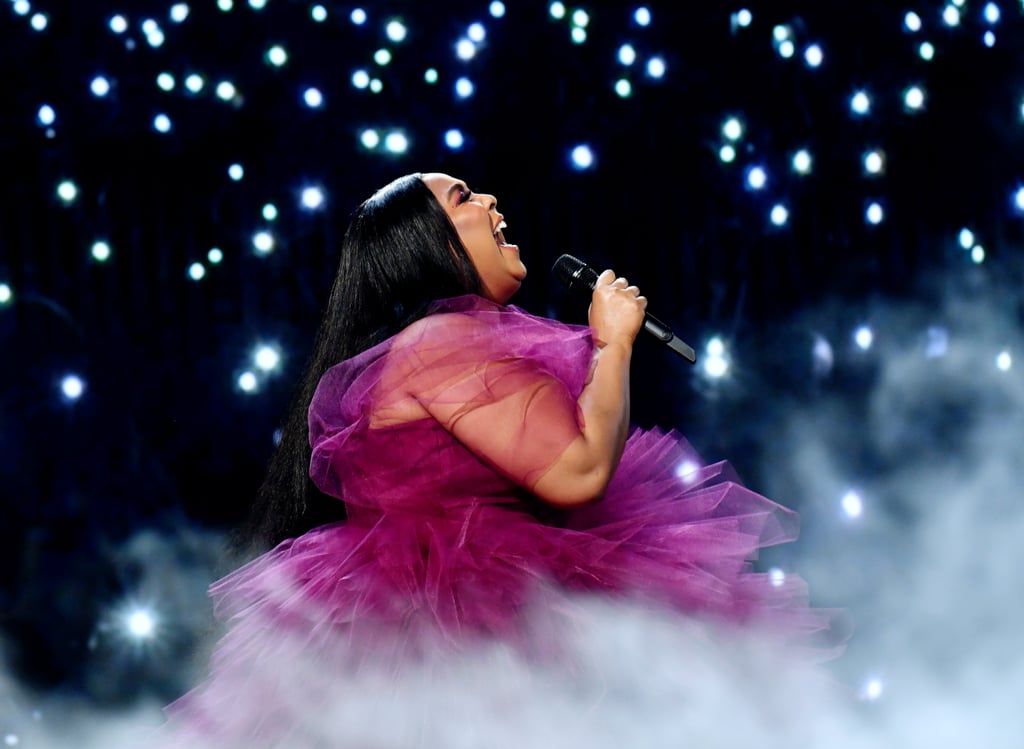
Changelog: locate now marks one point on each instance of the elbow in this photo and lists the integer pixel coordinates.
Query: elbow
(569, 491)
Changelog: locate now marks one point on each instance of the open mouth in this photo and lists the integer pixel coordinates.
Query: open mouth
(499, 237)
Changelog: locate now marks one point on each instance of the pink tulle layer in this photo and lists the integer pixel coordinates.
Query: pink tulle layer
(444, 550)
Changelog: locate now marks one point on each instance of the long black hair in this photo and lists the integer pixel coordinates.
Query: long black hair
(400, 252)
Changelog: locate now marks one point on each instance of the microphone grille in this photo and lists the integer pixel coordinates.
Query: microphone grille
(572, 271)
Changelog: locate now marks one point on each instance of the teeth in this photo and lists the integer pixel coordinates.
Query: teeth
(500, 226)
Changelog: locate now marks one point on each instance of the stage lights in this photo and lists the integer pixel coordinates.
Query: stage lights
(454, 139)
(926, 51)
(464, 88)
(266, 357)
(100, 86)
(863, 337)
(852, 504)
(269, 212)
(263, 242)
(937, 342)
(396, 143)
(357, 16)
(727, 154)
(194, 83)
(6, 294)
(623, 88)
(913, 98)
(476, 32)
(733, 129)
(556, 10)
(1004, 362)
(872, 690)
(101, 251)
(874, 162)
(277, 55)
(247, 382)
(687, 471)
(318, 13)
(396, 31)
(360, 79)
(257, 4)
(312, 198)
(496, 9)
(465, 49)
(951, 15)
(179, 12)
(756, 178)
(215, 256)
(742, 19)
(992, 13)
(39, 22)
(369, 138)
(860, 103)
(225, 5)
(642, 16)
(912, 22)
(627, 54)
(165, 82)
(72, 387)
(118, 24)
(656, 67)
(966, 238)
(196, 271)
(313, 98)
(874, 214)
(140, 624)
(777, 577)
(46, 115)
(1018, 199)
(67, 191)
(382, 56)
(802, 162)
(814, 56)
(581, 157)
(236, 172)
(162, 123)
(715, 362)
(779, 215)
(226, 91)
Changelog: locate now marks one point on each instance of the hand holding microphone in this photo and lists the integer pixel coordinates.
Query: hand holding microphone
(577, 275)
(616, 309)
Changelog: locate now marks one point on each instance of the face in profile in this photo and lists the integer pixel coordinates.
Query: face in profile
(476, 218)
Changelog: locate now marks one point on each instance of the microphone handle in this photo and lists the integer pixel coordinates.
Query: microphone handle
(663, 333)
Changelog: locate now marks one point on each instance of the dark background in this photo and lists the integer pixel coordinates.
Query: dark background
(163, 439)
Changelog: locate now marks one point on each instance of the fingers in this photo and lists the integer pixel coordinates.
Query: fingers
(609, 278)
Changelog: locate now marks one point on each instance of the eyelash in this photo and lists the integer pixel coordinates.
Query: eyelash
(464, 195)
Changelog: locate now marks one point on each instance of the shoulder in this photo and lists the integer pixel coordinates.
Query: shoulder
(458, 319)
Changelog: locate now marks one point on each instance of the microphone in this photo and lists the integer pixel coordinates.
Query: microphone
(575, 274)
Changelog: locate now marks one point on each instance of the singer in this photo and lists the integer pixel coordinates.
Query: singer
(456, 473)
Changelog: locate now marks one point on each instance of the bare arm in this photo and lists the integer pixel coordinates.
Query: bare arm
(583, 471)
(519, 418)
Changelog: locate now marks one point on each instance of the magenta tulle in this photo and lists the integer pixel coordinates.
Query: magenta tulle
(443, 547)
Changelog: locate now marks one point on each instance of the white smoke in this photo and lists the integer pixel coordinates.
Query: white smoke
(932, 574)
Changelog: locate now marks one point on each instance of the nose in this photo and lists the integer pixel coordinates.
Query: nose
(488, 200)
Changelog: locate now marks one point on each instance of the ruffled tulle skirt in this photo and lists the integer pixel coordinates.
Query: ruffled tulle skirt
(490, 596)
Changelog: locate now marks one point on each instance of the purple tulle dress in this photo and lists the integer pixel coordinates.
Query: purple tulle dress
(444, 550)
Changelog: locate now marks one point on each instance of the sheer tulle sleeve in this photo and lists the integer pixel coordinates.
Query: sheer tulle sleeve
(492, 381)
(502, 382)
